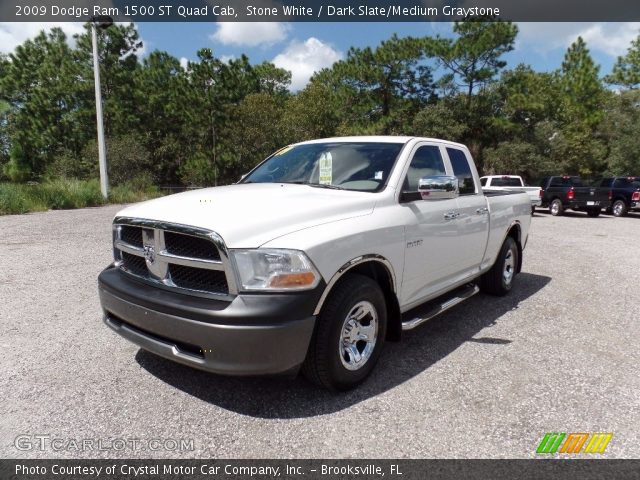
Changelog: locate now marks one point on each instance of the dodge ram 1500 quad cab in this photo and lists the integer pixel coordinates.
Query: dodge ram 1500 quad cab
(317, 256)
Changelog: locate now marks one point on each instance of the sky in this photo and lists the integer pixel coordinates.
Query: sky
(304, 48)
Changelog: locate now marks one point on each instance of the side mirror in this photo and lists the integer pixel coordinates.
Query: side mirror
(439, 187)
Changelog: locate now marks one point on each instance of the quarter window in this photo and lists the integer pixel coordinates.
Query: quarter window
(461, 169)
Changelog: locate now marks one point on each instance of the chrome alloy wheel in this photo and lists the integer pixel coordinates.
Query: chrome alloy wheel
(555, 207)
(358, 336)
(509, 267)
(618, 209)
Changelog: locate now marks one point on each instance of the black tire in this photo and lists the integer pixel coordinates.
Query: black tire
(327, 358)
(556, 208)
(496, 281)
(533, 210)
(593, 212)
(619, 208)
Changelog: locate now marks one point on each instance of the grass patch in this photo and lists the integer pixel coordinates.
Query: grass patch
(65, 194)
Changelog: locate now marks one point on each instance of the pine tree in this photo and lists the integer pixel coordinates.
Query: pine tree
(626, 71)
(581, 85)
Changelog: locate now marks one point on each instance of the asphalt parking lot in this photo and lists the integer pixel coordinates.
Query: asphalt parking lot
(487, 379)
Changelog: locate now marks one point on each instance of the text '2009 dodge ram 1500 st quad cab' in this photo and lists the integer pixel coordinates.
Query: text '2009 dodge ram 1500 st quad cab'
(315, 258)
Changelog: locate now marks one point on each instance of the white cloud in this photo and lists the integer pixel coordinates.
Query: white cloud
(13, 34)
(250, 34)
(184, 62)
(607, 37)
(303, 59)
(613, 41)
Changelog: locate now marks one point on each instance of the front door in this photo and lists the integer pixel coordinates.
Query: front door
(431, 229)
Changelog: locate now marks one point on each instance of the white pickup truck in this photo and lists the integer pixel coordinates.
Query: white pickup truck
(321, 253)
(513, 183)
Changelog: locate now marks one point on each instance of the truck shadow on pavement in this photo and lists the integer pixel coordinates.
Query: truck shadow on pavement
(277, 397)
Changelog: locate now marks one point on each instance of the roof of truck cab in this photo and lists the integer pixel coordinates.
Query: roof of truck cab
(501, 176)
(379, 139)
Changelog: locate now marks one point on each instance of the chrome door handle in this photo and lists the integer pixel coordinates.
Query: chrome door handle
(482, 211)
(451, 215)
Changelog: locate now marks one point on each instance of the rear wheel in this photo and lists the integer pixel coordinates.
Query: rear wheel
(556, 208)
(593, 212)
(499, 280)
(619, 208)
(349, 334)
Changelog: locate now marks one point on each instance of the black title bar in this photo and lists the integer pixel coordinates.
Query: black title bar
(317, 11)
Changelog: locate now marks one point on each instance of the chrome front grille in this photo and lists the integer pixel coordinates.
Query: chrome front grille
(178, 257)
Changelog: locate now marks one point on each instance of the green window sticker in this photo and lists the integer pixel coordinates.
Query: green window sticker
(326, 168)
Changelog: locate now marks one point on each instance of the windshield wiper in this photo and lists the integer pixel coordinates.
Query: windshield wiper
(317, 185)
(324, 185)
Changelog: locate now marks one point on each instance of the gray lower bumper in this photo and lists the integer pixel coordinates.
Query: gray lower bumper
(221, 345)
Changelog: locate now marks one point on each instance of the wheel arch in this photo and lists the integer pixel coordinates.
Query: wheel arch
(515, 232)
(381, 271)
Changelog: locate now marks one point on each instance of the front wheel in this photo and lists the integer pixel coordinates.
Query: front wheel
(349, 334)
(499, 280)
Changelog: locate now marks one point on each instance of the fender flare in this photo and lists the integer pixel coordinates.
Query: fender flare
(350, 265)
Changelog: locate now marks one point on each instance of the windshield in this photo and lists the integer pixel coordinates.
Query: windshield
(356, 166)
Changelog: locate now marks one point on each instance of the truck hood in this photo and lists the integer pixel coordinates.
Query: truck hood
(249, 215)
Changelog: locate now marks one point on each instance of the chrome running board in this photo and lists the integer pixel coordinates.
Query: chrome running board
(419, 315)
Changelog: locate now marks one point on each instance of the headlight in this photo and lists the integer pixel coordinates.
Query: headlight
(267, 269)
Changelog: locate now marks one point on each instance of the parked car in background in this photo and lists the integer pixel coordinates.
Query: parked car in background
(513, 182)
(562, 192)
(625, 194)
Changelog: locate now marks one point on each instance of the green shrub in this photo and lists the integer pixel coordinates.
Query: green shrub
(16, 171)
(16, 199)
(68, 194)
(128, 194)
(197, 171)
(127, 160)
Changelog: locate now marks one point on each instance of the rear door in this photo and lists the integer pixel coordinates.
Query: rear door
(473, 219)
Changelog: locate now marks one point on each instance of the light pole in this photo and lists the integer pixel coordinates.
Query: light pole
(102, 22)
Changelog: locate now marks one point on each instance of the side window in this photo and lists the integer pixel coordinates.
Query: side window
(462, 170)
(606, 182)
(556, 182)
(426, 162)
(620, 183)
(483, 182)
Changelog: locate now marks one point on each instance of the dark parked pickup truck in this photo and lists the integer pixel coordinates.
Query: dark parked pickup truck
(625, 193)
(562, 192)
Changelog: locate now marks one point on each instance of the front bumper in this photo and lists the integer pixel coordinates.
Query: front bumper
(251, 335)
